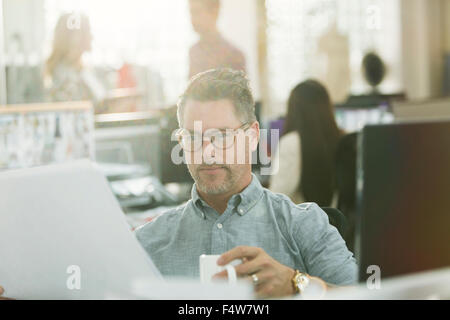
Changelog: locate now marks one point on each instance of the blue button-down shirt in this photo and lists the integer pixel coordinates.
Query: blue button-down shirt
(298, 236)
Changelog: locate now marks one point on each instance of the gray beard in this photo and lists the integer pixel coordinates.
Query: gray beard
(224, 187)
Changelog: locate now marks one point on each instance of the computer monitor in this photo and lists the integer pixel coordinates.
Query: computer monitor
(170, 172)
(403, 202)
(432, 109)
(277, 124)
(128, 138)
(354, 119)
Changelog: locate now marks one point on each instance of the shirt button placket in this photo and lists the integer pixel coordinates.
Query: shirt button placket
(219, 235)
(217, 238)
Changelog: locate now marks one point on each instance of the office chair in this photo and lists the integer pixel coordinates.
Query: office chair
(346, 183)
(339, 221)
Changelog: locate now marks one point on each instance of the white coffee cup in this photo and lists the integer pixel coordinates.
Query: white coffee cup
(209, 267)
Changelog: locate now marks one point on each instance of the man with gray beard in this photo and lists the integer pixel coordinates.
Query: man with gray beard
(230, 214)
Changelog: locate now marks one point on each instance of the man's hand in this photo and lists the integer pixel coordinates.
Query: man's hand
(274, 279)
(1, 294)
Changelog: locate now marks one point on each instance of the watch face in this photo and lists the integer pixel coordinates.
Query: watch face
(301, 281)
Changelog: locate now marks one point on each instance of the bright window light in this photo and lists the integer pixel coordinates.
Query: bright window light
(153, 33)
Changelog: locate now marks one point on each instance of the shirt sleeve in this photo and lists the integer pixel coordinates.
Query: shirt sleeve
(324, 251)
(286, 165)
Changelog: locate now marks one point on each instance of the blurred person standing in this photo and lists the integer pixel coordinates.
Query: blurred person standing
(212, 50)
(307, 149)
(333, 55)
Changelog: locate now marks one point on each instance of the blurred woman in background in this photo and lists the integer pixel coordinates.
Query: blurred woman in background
(307, 148)
(66, 79)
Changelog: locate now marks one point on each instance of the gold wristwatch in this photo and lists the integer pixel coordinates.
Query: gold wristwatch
(300, 281)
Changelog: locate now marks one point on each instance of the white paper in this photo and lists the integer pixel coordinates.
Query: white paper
(189, 289)
(61, 223)
(428, 285)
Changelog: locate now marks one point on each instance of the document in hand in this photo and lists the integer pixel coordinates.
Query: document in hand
(64, 236)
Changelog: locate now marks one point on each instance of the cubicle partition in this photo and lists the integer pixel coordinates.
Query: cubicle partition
(420, 110)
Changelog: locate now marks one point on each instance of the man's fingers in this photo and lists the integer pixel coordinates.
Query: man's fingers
(244, 269)
(262, 276)
(222, 274)
(249, 267)
(238, 253)
(1, 290)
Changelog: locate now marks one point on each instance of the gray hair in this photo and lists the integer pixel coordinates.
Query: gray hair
(217, 84)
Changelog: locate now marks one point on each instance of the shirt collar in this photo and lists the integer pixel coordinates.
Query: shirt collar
(198, 202)
(242, 201)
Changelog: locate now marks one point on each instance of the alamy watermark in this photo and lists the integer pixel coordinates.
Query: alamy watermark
(236, 146)
(74, 22)
(373, 21)
(373, 282)
(73, 281)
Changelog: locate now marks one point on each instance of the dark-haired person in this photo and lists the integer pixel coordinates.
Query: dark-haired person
(306, 152)
(373, 70)
(212, 50)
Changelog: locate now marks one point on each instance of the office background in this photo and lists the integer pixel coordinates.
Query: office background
(141, 48)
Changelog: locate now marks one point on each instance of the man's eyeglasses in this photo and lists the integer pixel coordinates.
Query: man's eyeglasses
(220, 139)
